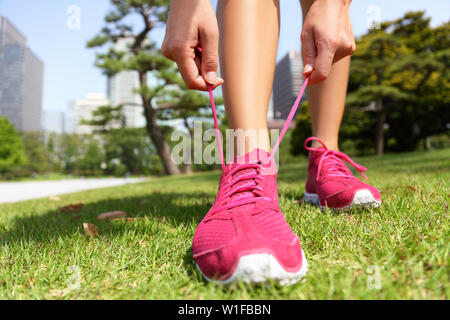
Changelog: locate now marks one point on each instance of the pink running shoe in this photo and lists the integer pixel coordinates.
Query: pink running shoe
(331, 184)
(245, 237)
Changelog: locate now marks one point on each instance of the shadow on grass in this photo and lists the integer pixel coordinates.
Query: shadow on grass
(194, 205)
(162, 206)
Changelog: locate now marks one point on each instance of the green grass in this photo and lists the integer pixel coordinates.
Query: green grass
(407, 239)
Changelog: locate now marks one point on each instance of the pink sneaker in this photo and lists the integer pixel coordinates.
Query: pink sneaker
(245, 237)
(331, 184)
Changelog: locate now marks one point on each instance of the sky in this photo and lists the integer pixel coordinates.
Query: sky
(69, 66)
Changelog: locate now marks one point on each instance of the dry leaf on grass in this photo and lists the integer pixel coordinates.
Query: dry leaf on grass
(91, 229)
(112, 215)
(54, 198)
(72, 207)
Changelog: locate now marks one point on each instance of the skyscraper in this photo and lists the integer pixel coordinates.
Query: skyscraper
(21, 80)
(287, 83)
(83, 110)
(121, 91)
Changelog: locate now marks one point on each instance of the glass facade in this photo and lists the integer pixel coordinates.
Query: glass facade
(287, 84)
(21, 80)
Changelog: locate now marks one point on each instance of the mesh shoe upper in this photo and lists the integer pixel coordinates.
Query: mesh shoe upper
(332, 180)
(245, 219)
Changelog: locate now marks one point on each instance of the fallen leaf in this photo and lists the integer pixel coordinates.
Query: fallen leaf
(72, 207)
(112, 215)
(54, 198)
(91, 229)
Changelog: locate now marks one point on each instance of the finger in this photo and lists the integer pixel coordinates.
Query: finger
(309, 52)
(198, 63)
(209, 42)
(166, 52)
(325, 56)
(185, 60)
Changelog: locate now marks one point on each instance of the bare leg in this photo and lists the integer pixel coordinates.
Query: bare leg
(327, 99)
(248, 50)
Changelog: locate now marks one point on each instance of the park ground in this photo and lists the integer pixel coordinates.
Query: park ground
(46, 254)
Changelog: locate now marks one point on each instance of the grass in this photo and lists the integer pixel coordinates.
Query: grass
(406, 240)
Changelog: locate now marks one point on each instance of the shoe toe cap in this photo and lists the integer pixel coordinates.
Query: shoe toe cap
(221, 263)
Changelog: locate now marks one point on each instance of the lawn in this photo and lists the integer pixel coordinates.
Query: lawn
(43, 251)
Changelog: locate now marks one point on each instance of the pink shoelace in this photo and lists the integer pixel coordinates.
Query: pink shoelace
(244, 185)
(331, 162)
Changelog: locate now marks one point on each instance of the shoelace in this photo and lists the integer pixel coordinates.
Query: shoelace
(331, 161)
(244, 188)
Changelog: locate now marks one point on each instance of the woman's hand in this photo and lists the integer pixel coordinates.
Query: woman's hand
(192, 24)
(327, 37)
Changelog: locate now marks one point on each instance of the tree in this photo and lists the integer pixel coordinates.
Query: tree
(370, 81)
(106, 118)
(129, 150)
(186, 106)
(400, 74)
(143, 57)
(92, 159)
(12, 151)
(38, 159)
(70, 146)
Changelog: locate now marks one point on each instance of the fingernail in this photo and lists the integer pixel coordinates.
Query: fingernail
(308, 68)
(211, 77)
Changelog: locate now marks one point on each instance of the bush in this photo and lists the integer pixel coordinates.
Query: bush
(12, 153)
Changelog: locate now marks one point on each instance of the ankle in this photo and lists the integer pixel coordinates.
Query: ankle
(332, 144)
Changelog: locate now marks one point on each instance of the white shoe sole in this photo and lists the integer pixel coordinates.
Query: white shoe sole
(362, 199)
(260, 268)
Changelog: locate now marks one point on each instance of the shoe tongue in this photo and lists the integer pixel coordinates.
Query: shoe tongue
(255, 156)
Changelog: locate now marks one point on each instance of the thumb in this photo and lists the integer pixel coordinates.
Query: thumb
(209, 42)
(309, 52)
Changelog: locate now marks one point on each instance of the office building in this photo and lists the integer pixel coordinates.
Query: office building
(21, 80)
(83, 110)
(287, 84)
(121, 91)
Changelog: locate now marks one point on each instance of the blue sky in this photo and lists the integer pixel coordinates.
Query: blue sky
(69, 69)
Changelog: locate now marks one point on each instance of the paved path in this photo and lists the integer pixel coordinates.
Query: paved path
(21, 191)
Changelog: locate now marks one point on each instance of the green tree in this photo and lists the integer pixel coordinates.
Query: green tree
(12, 153)
(143, 57)
(370, 77)
(54, 152)
(92, 158)
(400, 75)
(106, 118)
(70, 146)
(38, 160)
(130, 149)
(188, 106)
